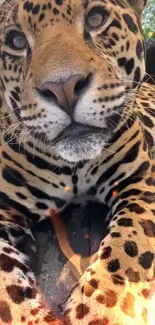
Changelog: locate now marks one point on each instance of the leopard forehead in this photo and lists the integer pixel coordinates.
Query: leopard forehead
(36, 15)
(60, 21)
(39, 14)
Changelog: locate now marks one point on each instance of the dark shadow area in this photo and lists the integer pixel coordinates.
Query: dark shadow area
(150, 61)
(75, 235)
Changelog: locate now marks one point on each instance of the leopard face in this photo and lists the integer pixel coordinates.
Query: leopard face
(69, 69)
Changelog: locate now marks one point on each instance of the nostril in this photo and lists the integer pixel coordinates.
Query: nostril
(81, 84)
(46, 94)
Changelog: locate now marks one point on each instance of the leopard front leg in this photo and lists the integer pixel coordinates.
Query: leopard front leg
(119, 287)
(20, 301)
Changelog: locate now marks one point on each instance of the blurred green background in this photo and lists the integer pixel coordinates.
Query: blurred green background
(148, 20)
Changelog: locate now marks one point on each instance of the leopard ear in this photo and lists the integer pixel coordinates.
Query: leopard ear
(137, 5)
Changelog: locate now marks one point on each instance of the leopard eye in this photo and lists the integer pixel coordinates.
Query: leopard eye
(16, 40)
(96, 17)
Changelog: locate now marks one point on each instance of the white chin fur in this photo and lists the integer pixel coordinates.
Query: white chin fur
(79, 151)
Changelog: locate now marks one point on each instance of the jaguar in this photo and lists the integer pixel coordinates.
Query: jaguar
(77, 120)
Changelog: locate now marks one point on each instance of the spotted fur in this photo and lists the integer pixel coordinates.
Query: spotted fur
(75, 114)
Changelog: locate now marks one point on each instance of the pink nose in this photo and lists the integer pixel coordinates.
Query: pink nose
(65, 93)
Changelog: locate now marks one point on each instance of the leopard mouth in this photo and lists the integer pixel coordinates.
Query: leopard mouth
(79, 142)
(77, 131)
